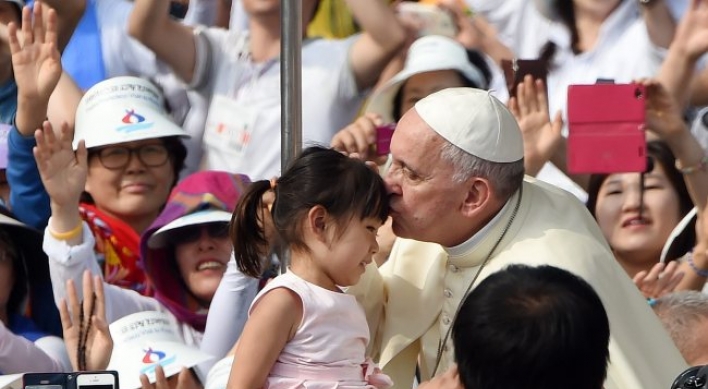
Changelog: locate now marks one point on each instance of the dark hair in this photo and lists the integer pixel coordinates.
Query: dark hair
(178, 155)
(534, 328)
(344, 186)
(18, 293)
(660, 153)
(474, 57)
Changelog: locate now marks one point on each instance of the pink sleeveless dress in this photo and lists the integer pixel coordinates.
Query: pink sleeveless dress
(328, 349)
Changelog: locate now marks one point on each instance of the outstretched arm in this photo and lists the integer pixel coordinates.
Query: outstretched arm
(690, 43)
(382, 38)
(171, 41)
(660, 23)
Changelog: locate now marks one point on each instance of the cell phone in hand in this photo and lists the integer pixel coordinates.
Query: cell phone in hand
(45, 380)
(606, 124)
(97, 380)
(516, 69)
(383, 138)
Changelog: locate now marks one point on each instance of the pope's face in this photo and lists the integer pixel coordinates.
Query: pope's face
(425, 200)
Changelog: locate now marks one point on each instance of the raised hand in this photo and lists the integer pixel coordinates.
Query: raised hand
(36, 61)
(86, 333)
(63, 172)
(692, 31)
(541, 136)
(184, 380)
(658, 281)
(359, 138)
(663, 115)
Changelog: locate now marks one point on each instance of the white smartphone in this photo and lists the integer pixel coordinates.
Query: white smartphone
(97, 380)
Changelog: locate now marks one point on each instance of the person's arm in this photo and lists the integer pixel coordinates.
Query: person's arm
(664, 118)
(28, 199)
(695, 264)
(691, 41)
(173, 42)
(19, 355)
(660, 23)
(36, 67)
(69, 13)
(70, 262)
(271, 324)
(475, 32)
(382, 38)
(37, 70)
(228, 313)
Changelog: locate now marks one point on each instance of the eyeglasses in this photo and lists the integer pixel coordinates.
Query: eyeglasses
(117, 157)
(190, 234)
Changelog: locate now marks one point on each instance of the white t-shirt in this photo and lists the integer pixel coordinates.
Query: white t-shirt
(225, 72)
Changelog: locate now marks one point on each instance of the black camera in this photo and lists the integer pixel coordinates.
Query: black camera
(695, 377)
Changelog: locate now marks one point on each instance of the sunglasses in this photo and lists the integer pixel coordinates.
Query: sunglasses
(191, 234)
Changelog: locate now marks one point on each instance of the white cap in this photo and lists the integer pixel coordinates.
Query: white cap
(475, 121)
(427, 54)
(144, 340)
(122, 109)
(159, 238)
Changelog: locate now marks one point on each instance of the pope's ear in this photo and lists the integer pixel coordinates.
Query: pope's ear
(479, 194)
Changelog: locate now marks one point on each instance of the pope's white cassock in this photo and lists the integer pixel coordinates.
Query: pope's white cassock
(411, 301)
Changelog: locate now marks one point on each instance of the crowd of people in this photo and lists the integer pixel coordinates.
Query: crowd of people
(140, 171)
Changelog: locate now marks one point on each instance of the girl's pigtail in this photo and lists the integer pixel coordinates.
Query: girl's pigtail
(247, 230)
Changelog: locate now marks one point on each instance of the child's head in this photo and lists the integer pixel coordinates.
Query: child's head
(344, 188)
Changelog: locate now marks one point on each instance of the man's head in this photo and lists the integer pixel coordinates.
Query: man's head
(532, 328)
(685, 315)
(457, 159)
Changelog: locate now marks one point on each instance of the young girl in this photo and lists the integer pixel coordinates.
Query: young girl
(303, 331)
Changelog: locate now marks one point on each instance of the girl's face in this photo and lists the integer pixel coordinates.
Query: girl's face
(351, 250)
(424, 84)
(202, 254)
(636, 238)
(131, 181)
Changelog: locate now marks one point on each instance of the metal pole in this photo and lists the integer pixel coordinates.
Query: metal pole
(290, 88)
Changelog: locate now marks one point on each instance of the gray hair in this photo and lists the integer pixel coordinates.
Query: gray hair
(679, 313)
(506, 178)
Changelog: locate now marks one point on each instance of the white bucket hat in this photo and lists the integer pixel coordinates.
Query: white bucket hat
(144, 340)
(160, 239)
(122, 109)
(427, 54)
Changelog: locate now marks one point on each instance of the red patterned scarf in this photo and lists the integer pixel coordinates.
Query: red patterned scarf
(119, 245)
